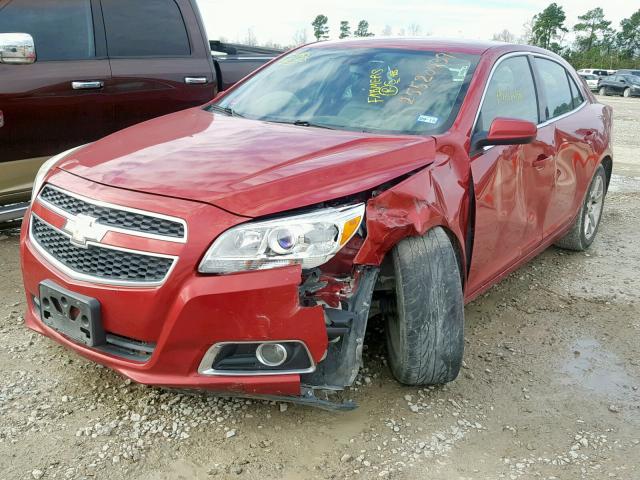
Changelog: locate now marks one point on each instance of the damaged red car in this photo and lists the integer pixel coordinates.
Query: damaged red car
(241, 246)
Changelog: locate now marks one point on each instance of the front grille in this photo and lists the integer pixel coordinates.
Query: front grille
(113, 217)
(99, 262)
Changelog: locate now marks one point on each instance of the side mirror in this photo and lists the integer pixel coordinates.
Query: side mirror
(17, 48)
(508, 131)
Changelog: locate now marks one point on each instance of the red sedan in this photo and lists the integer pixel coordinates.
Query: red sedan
(241, 246)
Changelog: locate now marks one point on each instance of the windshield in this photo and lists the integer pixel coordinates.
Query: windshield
(366, 89)
(590, 77)
(632, 79)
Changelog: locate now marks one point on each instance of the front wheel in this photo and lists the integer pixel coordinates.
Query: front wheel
(626, 93)
(586, 224)
(425, 339)
(602, 91)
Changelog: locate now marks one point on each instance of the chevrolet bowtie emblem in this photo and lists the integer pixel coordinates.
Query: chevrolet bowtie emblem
(83, 229)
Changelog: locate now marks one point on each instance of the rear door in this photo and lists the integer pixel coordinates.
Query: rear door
(159, 60)
(59, 101)
(512, 183)
(567, 125)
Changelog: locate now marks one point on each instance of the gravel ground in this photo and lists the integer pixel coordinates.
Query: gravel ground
(549, 388)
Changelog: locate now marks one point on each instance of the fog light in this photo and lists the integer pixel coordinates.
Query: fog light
(271, 354)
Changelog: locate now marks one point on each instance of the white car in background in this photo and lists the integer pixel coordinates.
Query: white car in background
(591, 80)
(600, 72)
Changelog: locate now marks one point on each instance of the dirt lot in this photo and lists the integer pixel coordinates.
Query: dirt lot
(549, 389)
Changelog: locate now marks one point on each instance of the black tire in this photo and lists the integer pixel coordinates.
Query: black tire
(577, 239)
(602, 91)
(425, 339)
(626, 93)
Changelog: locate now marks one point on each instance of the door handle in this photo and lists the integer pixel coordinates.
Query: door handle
(87, 85)
(541, 160)
(195, 80)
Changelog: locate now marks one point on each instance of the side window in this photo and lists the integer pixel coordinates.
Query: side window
(576, 95)
(511, 93)
(144, 28)
(61, 29)
(554, 81)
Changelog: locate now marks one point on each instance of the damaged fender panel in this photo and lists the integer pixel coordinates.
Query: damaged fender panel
(435, 196)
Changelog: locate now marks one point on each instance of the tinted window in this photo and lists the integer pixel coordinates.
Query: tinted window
(575, 93)
(372, 89)
(511, 93)
(61, 29)
(556, 87)
(144, 28)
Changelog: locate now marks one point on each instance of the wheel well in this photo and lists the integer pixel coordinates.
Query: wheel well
(386, 279)
(458, 251)
(607, 163)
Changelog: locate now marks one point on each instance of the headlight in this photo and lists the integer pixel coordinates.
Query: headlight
(44, 169)
(310, 240)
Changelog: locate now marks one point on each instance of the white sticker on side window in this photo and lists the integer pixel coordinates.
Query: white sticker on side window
(428, 119)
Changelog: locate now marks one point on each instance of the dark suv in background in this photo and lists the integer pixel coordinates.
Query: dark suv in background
(74, 71)
(626, 71)
(627, 85)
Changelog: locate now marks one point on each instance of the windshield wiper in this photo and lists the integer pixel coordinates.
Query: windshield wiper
(228, 110)
(304, 123)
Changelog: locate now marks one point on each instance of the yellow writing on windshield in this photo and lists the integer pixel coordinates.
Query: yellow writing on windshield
(382, 84)
(422, 81)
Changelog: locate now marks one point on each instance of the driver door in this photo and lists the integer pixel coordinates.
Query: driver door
(513, 183)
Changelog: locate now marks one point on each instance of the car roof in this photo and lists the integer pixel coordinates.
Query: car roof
(473, 47)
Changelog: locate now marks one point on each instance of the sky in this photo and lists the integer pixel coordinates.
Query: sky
(279, 20)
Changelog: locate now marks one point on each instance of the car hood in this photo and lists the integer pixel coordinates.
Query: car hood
(246, 167)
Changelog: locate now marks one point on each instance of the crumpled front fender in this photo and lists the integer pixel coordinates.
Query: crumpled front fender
(437, 195)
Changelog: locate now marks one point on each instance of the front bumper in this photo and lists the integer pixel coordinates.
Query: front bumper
(189, 312)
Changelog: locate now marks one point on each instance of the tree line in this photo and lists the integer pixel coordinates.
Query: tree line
(321, 28)
(596, 42)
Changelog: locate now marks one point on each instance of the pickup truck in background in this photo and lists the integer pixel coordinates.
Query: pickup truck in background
(234, 61)
(74, 71)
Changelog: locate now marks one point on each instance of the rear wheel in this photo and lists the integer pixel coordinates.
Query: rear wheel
(602, 91)
(585, 226)
(626, 93)
(425, 339)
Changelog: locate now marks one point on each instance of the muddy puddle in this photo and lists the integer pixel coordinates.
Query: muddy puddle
(590, 366)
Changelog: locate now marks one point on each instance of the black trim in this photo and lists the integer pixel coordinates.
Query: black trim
(99, 34)
(239, 357)
(129, 348)
(541, 98)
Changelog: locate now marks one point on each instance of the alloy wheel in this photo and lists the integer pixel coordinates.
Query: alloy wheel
(593, 210)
